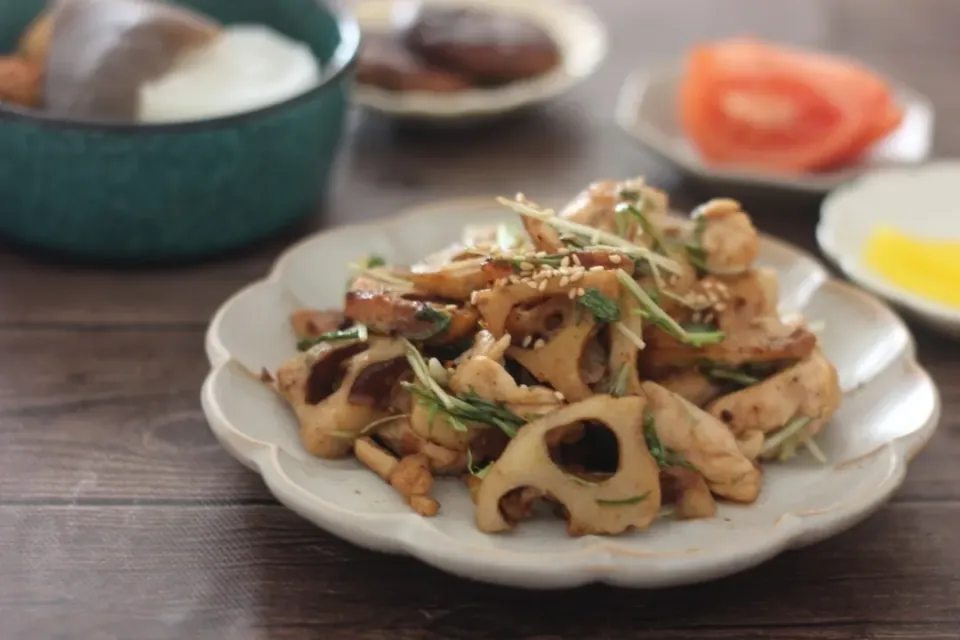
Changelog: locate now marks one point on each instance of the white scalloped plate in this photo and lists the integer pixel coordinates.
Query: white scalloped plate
(890, 411)
(579, 33)
(647, 111)
(918, 200)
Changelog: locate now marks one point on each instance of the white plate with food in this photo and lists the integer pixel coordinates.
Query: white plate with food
(692, 398)
(753, 113)
(896, 233)
(446, 60)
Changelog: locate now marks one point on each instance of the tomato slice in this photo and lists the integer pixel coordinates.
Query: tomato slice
(747, 103)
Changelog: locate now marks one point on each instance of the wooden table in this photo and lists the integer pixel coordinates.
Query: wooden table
(121, 517)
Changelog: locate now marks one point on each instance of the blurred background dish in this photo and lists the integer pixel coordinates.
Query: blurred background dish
(896, 232)
(470, 59)
(91, 180)
(650, 111)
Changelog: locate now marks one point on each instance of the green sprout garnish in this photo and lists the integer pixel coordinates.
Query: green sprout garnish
(618, 386)
(588, 236)
(458, 410)
(665, 456)
(477, 472)
(624, 501)
(439, 322)
(652, 312)
(603, 307)
(356, 332)
(725, 374)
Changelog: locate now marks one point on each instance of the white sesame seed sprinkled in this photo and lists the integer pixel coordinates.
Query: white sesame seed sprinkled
(524, 387)
(473, 297)
(572, 294)
(564, 281)
(541, 254)
(527, 340)
(539, 344)
(577, 275)
(581, 292)
(596, 268)
(559, 396)
(451, 307)
(526, 266)
(614, 258)
(542, 286)
(565, 261)
(530, 283)
(576, 260)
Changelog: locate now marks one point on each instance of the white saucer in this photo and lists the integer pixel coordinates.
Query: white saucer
(580, 34)
(647, 110)
(920, 201)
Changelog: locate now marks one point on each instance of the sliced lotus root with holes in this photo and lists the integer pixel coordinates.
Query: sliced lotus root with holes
(330, 395)
(756, 345)
(630, 498)
(451, 281)
(396, 313)
(704, 442)
(556, 321)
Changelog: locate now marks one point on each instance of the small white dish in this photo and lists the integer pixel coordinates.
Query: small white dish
(647, 110)
(920, 201)
(579, 33)
(890, 410)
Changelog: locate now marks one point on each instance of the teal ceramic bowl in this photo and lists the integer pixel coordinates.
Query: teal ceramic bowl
(165, 192)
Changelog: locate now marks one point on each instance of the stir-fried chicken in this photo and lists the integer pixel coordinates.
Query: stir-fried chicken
(607, 360)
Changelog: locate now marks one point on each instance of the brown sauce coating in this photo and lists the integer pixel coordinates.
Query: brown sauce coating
(386, 63)
(489, 47)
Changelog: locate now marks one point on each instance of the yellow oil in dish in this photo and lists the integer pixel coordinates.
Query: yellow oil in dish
(927, 268)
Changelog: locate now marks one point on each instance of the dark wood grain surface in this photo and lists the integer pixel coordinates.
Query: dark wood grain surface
(120, 516)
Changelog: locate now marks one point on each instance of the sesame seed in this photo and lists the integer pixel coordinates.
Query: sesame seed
(565, 262)
(576, 260)
(559, 396)
(473, 297)
(614, 258)
(596, 268)
(530, 283)
(451, 307)
(577, 275)
(513, 279)
(526, 266)
(541, 254)
(539, 344)
(527, 340)
(581, 292)
(564, 281)
(524, 387)
(572, 294)
(542, 286)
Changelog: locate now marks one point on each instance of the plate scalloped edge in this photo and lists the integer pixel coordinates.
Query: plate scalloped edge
(585, 560)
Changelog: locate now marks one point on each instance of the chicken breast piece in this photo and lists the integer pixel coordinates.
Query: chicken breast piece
(705, 443)
(808, 389)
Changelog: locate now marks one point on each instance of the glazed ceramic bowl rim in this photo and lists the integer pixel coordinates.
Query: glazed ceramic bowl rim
(343, 59)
